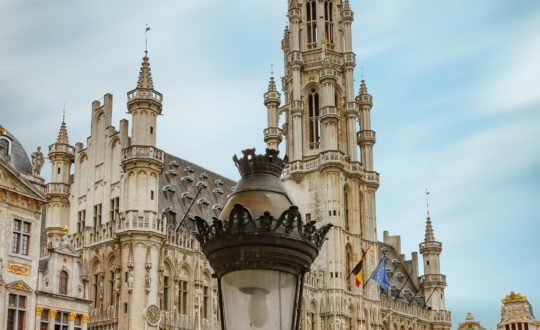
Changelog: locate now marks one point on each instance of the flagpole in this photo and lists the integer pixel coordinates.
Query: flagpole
(413, 297)
(362, 258)
(383, 258)
(425, 302)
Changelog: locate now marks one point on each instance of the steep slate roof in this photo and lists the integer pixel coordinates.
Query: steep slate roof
(18, 157)
(398, 282)
(179, 185)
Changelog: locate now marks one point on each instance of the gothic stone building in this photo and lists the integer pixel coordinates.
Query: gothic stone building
(119, 209)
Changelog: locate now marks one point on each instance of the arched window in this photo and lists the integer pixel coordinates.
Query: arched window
(183, 292)
(311, 19)
(4, 147)
(328, 24)
(63, 282)
(349, 266)
(346, 206)
(314, 125)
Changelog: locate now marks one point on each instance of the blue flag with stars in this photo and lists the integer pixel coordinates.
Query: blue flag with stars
(380, 276)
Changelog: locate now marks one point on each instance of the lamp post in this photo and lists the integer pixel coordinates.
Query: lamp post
(260, 249)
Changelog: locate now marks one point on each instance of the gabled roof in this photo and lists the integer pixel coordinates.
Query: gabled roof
(18, 183)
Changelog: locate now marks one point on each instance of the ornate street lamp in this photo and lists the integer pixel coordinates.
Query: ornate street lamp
(259, 259)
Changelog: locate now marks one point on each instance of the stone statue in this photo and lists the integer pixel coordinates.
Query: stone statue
(37, 161)
(177, 292)
(130, 280)
(116, 283)
(147, 281)
(101, 291)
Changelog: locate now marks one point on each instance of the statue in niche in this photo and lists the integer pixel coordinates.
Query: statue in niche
(147, 281)
(130, 280)
(37, 162)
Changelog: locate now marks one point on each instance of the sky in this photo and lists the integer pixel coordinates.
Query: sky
(456, 108)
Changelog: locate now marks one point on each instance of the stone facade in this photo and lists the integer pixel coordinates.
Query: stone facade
(117, 244)
(470, 324)
(517, 314)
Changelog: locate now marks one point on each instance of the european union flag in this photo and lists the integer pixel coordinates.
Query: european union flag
(380, 276)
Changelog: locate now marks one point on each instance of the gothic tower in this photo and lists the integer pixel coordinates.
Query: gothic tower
(432, 282)
(141, 231)
(324, 126)
(61, 155)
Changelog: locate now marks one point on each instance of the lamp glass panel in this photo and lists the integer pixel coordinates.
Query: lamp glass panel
(258, 299)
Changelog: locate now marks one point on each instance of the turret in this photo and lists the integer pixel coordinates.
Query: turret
(61, 155)
(432, 282)
(141, 228)
(272, 100)
(144, 104)
(366, 136)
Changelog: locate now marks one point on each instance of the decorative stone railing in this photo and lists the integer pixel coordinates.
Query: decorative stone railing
(100, 317)
(328, 158)
(182, 238)
(61, 148)
(404, 308)
(57, 189)
(134, 220)
(272, 132)
(328, 73)
(433, 278)
(350, 59)
(365, 100)
(145, 94)
(365, 136)
(329, 112)
(142, 152)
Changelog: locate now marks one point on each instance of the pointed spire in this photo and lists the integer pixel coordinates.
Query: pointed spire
(363, 88)
(430, 236)
(145, 75)
(346, 5)
(63, 134)
(272, 83)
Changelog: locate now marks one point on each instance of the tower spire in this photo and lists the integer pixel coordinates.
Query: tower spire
(430, 235)
(145, 75)
(63, 134)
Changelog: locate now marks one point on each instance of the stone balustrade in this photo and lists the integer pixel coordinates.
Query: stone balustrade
(439, 279)
(142, 152)
(57, 189)
(61, 148)
(329, 112)
(133, 220)
(365, 137)
(331, 158)
(145, 94)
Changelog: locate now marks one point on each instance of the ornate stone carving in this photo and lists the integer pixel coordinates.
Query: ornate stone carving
(72, 316)
(37, 161)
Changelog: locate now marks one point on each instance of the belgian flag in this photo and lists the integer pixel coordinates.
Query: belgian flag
(358, 273)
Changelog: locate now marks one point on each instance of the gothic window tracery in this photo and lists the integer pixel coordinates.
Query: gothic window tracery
(311, 19)
(346, 202)
(328, 24)
(313, 118)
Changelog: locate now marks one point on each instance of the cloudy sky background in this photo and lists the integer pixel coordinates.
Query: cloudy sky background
(455, 86)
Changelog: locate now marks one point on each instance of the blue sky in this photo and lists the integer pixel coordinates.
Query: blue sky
(455, 86)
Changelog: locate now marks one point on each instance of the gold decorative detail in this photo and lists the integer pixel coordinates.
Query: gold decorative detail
(513, 297)
(39, 310)
(85, 318)
(18, 269)
(52, 313)
(2, 131)
(72, 316)
(20, 285)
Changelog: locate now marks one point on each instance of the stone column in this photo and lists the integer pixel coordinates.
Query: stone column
(71, 318)
(85, 319)
(52, 318)
(39, 310)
